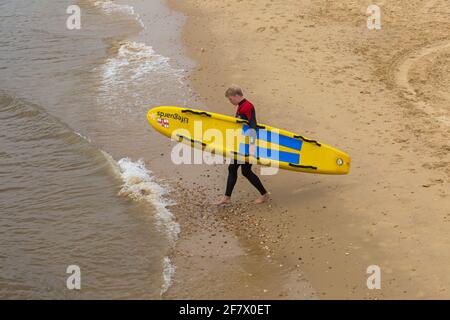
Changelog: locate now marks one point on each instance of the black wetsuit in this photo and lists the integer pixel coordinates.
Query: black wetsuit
(245, 111)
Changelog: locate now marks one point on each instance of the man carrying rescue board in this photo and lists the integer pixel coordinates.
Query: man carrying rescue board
(246, 111)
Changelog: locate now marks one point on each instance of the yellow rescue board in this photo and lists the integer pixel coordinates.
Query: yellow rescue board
(229, 137)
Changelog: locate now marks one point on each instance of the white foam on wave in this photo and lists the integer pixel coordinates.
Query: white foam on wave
(111, 7)
(83, 137)
(134, 61)
(134, 70)
(140, 184)
(168, 272)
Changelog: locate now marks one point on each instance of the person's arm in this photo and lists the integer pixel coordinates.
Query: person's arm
(253, 125)
(250, 115)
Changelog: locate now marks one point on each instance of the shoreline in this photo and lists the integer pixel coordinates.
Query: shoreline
(204, 242)
(330, 228)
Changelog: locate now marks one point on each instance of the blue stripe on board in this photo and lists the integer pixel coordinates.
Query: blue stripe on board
(271, 154)
(274, 137)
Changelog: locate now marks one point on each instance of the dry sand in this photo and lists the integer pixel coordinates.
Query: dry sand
(313, 67)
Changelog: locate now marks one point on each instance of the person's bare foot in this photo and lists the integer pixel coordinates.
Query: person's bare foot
(224, 201)
(264, 198)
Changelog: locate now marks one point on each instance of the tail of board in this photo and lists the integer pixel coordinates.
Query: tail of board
(229, 136)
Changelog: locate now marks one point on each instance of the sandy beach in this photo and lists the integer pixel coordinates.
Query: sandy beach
(380, 95)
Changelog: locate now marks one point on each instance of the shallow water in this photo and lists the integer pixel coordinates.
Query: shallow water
(73, 128)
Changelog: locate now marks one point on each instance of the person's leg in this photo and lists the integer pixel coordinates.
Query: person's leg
(232, 178)
(255, 181)
(231, 182)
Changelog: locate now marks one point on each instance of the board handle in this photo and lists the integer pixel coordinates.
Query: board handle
(247, 123)
(200, 113)
(307, 140)
(180, 138)
(303, 167)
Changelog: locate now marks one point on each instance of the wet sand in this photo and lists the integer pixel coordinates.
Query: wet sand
(380, 95)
